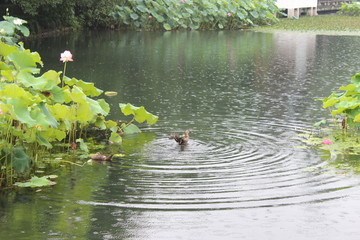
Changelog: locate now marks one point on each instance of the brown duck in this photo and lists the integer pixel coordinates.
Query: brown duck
(183, 139)
(100, 157)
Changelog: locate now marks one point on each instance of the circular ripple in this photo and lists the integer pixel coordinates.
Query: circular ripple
(240, 168)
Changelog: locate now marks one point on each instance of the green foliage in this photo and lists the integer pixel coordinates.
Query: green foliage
(341, 135)
(346, 104)
(59, 13)
(11, 29)
(350, 9)
(140, 114)
(38, 110)
(36, 182)
(194, 14)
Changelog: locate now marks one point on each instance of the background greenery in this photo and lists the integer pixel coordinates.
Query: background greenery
(142, 14)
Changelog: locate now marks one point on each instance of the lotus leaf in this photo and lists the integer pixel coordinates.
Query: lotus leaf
(130, 129)
(26, 60)
(115, 137)
(140, 114)
(20, 160)
(36, 182)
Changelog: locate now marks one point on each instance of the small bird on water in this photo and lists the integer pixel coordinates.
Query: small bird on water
(183, 139)
(100, 157)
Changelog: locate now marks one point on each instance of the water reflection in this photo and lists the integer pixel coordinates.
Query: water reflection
(245, 96)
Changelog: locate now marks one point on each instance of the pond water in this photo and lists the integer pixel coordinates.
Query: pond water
(245, 96)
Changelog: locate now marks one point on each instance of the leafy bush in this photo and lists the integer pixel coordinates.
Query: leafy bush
(350, 9)
(194, 14)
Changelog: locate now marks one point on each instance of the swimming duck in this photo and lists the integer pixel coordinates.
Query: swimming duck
(100, 157)
(181, 140)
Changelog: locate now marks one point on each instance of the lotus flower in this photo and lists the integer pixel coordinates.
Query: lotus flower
(229, 14)
(326, 141)
(18, 22)
(66, 56)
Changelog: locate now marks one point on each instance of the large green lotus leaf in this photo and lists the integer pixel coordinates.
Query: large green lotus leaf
(7, 27)
(357, 118)
(96, 108)
(46, 82)
(39, 117)
(139, 113)
(330, 102)
(76, 95)
(50, 118)
(104, 105)
(67, 94)
(26, 60)
(8, 75)
(24, 30)
(21, 111)
(14, 91)
(142, 8)
(60, 111)
(88, 88)
(130, 129)
(42, 140)
(83, 112)
(20, 160)
(53, 134)
(167, 26)
(350, 87)
(4, 66)
(356, 78)
(29, 134)
(83, 145)
(100, 123)
(57, 94)
(127, 109)
(152, 119)
(349, 103)
(36, 182)
(115, 138)
(110, 124)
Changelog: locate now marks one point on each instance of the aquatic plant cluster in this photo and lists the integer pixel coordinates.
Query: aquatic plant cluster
(345, 105)
(339, 135)
(194, 14)
(40, 109)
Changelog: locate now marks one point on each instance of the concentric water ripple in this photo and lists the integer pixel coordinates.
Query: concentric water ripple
(259, 166)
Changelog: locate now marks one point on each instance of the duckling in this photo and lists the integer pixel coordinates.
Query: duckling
(181, 140)
(100, 157)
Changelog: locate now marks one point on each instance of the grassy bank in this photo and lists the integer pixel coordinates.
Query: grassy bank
(332, 24)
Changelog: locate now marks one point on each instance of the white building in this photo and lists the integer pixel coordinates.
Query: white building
(294, 7)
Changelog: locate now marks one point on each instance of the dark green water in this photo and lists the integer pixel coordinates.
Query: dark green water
(245, 96)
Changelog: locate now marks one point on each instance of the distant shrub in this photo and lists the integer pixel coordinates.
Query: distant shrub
(350, 9)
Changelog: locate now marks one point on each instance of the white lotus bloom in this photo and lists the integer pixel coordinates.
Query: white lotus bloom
(18, 22)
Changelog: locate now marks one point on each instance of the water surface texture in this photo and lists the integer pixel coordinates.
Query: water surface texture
(245, 96)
